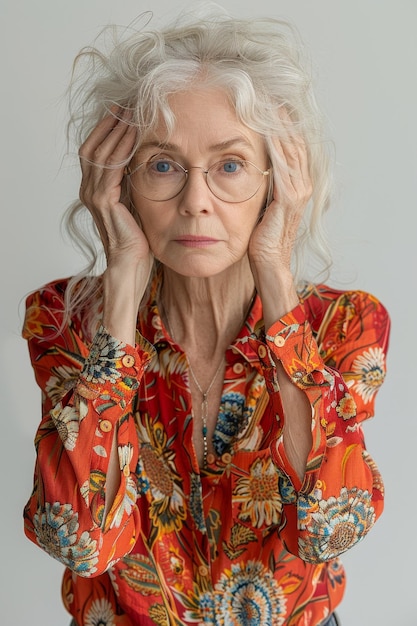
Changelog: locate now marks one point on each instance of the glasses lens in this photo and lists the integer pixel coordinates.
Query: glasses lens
(233, 180)
(230, 180)
(158, 179)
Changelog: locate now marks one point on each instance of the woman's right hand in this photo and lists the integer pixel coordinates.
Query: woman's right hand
(129, 258)
(102, 159)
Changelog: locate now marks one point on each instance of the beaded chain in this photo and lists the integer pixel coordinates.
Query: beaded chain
(204, 407)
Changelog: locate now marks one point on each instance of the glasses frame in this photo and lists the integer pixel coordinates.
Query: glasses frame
(129, 173)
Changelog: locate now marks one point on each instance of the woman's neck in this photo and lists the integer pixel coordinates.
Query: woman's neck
(204, 315)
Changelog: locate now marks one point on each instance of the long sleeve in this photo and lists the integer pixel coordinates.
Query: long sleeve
(340, 366)
(87, 392)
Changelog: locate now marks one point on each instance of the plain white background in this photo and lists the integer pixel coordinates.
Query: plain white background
(366, 55)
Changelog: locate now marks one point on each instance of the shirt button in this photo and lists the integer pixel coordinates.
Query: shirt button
(105, 426)
(226, 458)
(203, 571)
(128, 360)
(262, 351)
(238, 368)
(279, 341)
(210, 459)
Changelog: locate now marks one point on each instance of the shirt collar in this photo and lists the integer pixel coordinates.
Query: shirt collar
(151, 326)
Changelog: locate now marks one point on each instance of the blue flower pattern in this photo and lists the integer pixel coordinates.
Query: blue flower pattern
(233, 418)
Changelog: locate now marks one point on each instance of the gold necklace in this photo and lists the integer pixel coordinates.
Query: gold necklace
(204, 394)
(204, 406)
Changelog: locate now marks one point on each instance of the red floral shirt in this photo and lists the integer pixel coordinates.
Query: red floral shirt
(242, 542)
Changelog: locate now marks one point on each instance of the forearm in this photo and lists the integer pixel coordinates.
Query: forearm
(124, 284)
(279, 296)
(276, 289)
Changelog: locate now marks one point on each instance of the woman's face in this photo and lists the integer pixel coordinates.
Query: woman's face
(195, 233)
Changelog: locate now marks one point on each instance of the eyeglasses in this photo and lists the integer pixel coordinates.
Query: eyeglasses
(231, 180)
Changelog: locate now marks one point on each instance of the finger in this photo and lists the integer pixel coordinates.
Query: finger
(103, 174)
(119, 145)
(284, 167)
(297, 159)
(109, 149)
(293, 156)
(98, 134)
(107, 139)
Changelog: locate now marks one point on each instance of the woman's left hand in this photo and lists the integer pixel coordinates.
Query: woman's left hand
(273, 238)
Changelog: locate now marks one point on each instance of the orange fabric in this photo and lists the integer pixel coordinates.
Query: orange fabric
(242, 542)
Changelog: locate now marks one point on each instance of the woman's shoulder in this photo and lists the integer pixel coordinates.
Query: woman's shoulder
(55, 293)
(59, 303)
(321, 300)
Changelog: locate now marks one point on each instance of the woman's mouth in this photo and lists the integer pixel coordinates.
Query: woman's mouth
(195, 241)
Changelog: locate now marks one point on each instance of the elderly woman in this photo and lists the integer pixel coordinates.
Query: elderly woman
(200, 459)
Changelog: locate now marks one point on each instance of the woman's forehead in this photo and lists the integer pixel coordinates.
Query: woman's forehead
(206, 116)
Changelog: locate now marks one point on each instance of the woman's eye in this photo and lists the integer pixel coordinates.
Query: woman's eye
(161, 166)
(231, 167)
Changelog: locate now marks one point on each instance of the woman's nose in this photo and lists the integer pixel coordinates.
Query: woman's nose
(196, 196)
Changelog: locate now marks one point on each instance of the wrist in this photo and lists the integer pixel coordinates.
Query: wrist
(123, 290)
(277, 291)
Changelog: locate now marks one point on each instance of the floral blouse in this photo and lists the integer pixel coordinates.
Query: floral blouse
(242, 542)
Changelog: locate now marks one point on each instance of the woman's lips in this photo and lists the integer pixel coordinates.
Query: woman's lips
(195, 241)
